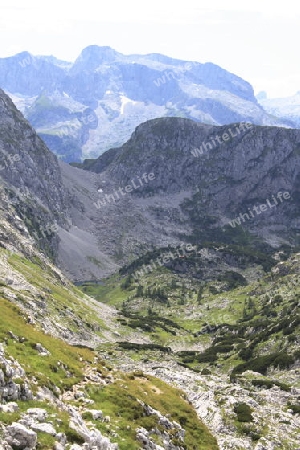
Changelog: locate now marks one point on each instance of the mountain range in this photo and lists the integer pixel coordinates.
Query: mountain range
(84, 108)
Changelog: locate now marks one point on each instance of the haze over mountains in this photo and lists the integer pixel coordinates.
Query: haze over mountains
(83, 108)
(287, 108)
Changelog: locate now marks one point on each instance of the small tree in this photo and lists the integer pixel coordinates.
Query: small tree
(140, 291)
(199, 295)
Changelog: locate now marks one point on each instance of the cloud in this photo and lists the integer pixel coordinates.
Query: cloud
(133, 11)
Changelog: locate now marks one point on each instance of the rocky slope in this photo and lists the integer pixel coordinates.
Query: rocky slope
(54, 396)
(83, 108)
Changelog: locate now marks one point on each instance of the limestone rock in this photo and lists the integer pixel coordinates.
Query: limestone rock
(19, 436)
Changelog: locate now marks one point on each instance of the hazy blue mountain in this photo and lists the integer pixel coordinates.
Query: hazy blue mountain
(83, 108)
(286, 108)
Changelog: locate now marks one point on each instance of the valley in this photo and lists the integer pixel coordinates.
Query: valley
(151, 322)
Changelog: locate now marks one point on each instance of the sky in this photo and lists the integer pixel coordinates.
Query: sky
(257, 40)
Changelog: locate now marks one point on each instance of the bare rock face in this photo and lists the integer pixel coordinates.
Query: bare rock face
(30, 174)
(93, 438)
(18, 436)
(25, 160)
(9, 390)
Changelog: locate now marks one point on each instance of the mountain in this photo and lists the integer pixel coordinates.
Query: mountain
(287, 109)
(208, 180)
(83, 108)
(183, 330)
(175, 181)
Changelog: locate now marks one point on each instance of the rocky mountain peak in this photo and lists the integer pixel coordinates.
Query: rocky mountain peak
(93, 56)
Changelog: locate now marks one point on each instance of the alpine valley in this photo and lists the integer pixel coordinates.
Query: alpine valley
(149, 296)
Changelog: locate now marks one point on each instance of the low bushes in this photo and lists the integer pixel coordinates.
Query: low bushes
(270, 383)
(243, 412)
(262, 363)
(136, 346)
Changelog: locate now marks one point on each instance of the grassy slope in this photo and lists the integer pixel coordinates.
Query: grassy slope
(67, 365)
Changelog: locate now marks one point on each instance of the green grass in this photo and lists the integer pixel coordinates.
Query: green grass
(44, 368)
(58, 298)
(65, 366)
(110, 292)
(59, 419)
(119, 401)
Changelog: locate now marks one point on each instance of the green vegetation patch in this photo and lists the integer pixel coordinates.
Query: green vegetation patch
(119, 401)
(62, 368)
(243, 412)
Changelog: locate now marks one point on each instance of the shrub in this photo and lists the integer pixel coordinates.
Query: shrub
(243, 412)
(294, 408)
(270, 383)
(74, 437)
(205, 371)
(262, 363)
(136, 346)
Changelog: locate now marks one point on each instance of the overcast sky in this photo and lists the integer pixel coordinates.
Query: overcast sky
(257, 40)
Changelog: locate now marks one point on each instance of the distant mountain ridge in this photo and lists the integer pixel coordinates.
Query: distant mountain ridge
(83, 108)
(287, 109)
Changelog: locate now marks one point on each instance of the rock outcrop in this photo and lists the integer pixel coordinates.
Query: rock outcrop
(10, 391)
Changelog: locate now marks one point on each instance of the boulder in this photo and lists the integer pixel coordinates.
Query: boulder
(44, 427)
(95, 413)
(38, 414)
(18, 436)
(42, 351)
(9, 408)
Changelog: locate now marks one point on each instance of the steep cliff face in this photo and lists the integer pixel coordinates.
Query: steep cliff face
(34, 198)
(26, 163)
(31, 179)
